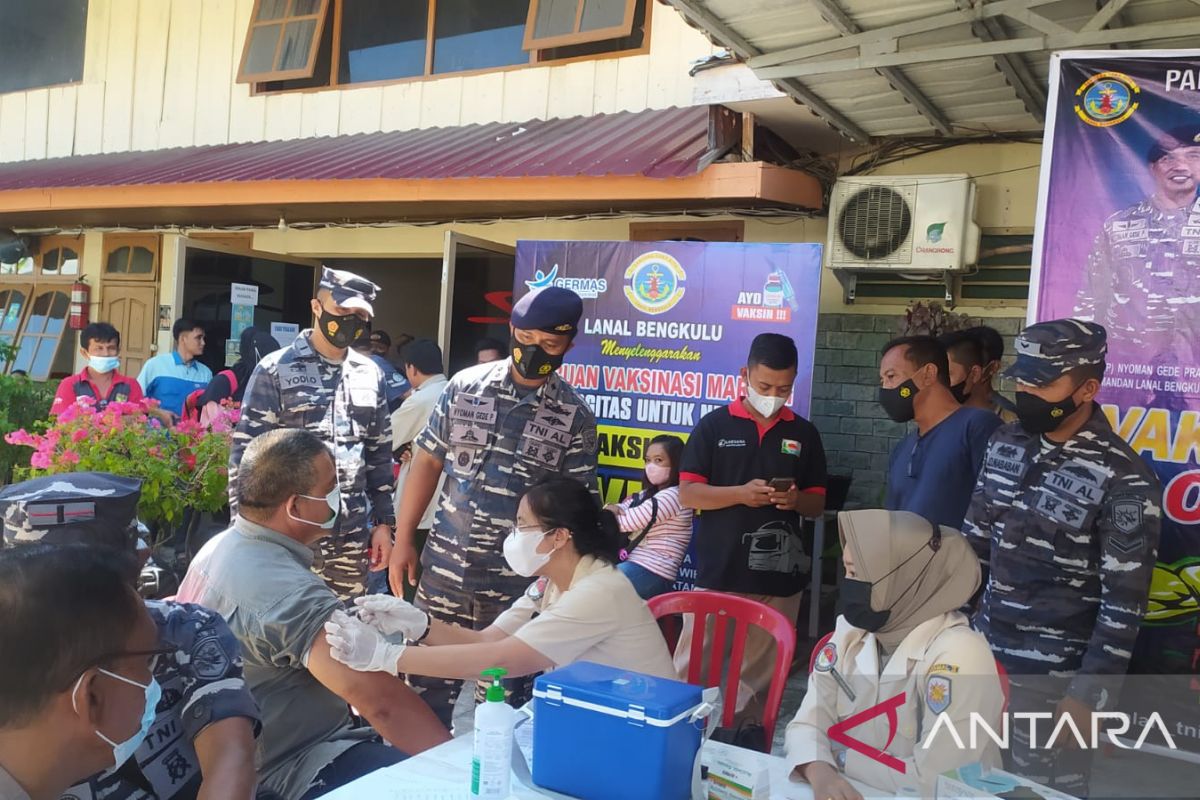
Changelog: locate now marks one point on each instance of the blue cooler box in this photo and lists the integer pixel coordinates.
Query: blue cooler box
(601, 733)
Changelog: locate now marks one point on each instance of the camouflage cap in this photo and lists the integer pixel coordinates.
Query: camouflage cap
(1048, 350)
(1180, 136)
(73, 507)
(349, 290)
(552, 309)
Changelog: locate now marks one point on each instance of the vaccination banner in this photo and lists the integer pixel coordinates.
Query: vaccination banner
(1119, 242)
(666, 330)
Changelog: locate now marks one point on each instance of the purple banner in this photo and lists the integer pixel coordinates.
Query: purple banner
(1120, 244)
(666, 329)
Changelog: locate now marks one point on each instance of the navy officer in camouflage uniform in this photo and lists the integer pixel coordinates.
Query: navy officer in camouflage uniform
(321, 385)
(202, 742)
(497, 429)
(1066, 516)
(1143, 275)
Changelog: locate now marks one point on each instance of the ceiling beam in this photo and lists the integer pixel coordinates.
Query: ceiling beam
(1107, 13)
(1038, 22)
(1029, 44)
(893, 32)
(835, 16)
(1014, 69)
(701, 16)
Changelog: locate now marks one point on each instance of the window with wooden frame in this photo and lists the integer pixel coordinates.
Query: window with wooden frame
(378, 41)
(14, 299)
(283, 40)
(42, 334)
(131, 257)
(58, 257)
(559, 23)
(731, 230)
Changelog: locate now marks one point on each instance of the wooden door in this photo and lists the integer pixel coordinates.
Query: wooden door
(132, 309)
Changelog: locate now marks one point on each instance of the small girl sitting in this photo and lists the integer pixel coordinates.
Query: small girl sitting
(659, 528)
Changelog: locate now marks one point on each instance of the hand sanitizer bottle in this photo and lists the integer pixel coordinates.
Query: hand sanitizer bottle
(491, 767)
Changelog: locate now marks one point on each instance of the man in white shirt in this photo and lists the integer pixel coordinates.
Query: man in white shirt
(423, 369)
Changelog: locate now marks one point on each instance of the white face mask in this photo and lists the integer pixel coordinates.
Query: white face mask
(657, 474)
(333, 500)
(767, 406)
(520, 551)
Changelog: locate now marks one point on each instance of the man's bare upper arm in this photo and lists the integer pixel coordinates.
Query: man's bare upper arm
(351, 685)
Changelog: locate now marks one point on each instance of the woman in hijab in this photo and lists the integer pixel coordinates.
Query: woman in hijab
(903, 653)
(230, 384)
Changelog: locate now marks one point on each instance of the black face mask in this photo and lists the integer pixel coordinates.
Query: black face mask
(959, 390)
(856, 594)
(898, 402)
(342, 332)
(1041, 416)
(856, 606)
(532, 362)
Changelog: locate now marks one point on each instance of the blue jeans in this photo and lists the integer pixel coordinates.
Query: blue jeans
(362, 759)
(648, 584)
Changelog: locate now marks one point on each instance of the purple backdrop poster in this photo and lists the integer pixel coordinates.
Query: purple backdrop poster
(666, 329)
(1120, 243)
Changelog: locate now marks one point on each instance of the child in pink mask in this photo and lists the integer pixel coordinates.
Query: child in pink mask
(659, 528)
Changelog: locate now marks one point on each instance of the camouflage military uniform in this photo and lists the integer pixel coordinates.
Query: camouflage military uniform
(494, 444)
(1143, 279)
(202, 684)
(344, 404)
(1069, 532)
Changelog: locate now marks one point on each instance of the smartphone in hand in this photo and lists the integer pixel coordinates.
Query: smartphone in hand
(782, 485)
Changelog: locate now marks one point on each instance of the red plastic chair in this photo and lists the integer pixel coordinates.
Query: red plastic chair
(1005, 689)
(743, 612)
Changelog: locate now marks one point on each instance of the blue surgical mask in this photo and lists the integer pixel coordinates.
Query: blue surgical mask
(333, 500)
(123, 751)
(104, 364)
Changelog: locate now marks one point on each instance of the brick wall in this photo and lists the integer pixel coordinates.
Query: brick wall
(856, 433)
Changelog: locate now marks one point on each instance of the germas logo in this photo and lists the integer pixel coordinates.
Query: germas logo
(587, 288)
(1113, 723)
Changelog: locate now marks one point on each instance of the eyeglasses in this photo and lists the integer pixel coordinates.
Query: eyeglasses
(151, 653)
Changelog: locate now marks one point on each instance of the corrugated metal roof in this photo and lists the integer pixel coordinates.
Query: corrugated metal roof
(971, 93)
(655, 144)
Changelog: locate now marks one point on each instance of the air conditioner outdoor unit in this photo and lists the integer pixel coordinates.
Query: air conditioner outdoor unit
(919, 224)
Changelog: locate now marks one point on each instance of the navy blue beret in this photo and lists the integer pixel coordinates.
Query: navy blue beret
(552, 309)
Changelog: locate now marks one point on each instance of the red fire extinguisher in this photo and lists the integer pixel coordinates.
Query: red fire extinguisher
(81, 295)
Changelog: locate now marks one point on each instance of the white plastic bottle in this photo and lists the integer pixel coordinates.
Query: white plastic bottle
(491, 766)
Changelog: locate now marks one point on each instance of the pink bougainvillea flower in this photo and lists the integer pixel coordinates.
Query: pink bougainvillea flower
(79, 435)
(69, 457)
(39, 461)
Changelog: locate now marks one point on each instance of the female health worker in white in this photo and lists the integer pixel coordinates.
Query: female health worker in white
(901, 633)
(585, 609)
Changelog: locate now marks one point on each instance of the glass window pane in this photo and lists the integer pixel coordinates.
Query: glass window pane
(272, 9)
(383, 39)
(261, 57)
(50, 262)
(12, 303)
(38, 314)
(555, 18)
(297, 41)
(25, 266)
(472, 35)
(43, 43)
(24, 358)
(302, 8)
(118, 261)
(142, 262)
(56, 320)
(43, 357)
(70, 262)
(599, 14)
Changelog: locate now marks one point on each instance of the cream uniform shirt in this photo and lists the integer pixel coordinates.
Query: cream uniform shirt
(598, 618)
(941, 667)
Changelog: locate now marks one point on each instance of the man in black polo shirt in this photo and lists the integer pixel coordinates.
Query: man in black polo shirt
(754, 468)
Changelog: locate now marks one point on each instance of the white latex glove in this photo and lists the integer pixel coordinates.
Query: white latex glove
(359, 646)
(391, 615)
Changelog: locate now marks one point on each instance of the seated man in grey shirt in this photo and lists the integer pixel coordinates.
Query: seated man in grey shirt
(258, 575)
